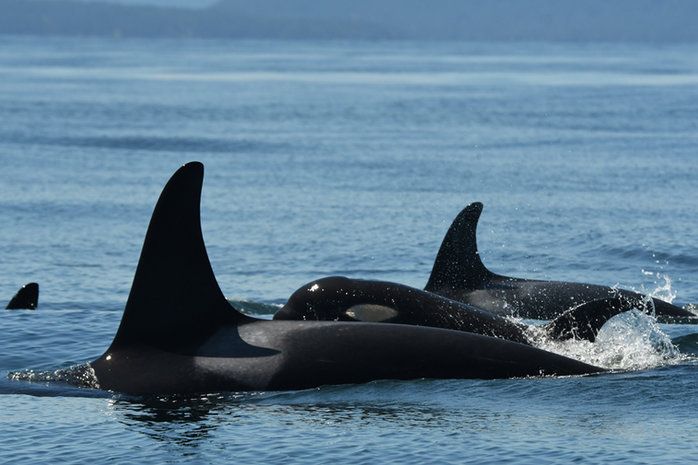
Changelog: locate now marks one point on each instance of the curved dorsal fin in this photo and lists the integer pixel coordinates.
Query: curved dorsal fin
(458, 265)
(175, 299)
(585, 321)
(26, 298)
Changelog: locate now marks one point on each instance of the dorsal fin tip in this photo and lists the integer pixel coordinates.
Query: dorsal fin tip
(458, 265)
(586, 320)
(174, 297)
(474, 207)
(27, 297)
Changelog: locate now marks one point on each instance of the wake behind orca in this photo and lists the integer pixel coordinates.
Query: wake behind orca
(179, 334)
(459, 274)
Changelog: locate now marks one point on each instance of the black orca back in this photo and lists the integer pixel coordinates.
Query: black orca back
(179, 334)
(458, 270)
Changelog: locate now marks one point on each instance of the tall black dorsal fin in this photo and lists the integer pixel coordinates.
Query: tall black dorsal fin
(585, 320)
(458, 265)
(175, 299)
(26, 298)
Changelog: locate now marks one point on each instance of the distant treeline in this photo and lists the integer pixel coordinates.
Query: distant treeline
(473, 20)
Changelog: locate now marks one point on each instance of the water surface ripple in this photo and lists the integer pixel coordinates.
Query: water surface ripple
(352, 159)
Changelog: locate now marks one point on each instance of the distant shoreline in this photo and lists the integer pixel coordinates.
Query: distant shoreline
(604, 21)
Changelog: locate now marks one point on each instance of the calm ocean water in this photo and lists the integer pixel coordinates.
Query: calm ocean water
(351, 159)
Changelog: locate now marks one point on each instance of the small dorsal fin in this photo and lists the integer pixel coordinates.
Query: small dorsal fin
(175, 299)
(26, 298)
(585, 320)
(458, 265)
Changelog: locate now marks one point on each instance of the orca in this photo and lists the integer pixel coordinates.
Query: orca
(337, 298)
(26, 298)
(179, 334)
(459, 274)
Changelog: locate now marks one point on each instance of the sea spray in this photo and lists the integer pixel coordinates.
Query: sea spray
(630, 341)
(663, 287)
(81, 375)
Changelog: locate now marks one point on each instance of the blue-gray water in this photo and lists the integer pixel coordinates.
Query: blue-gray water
(351, 159)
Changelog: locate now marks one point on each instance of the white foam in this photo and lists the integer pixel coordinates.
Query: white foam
(630, 341)
(82, 375)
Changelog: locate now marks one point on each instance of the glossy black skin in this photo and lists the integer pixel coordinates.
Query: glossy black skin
(338, 298)
(179, 334)
(335, 297)
(27, 298)
(289, 355)
(546, 300)
(459, 274)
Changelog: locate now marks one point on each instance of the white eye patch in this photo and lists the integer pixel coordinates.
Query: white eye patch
(371, 313)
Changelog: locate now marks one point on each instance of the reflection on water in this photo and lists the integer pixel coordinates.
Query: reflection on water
(294, 421)
(185, 421)
(421, 420)
(338, 414)
(188, 420)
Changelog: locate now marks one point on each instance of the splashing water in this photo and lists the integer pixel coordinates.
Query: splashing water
(663, 290)
(692, 308)
(77, 375)
(630, 341)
